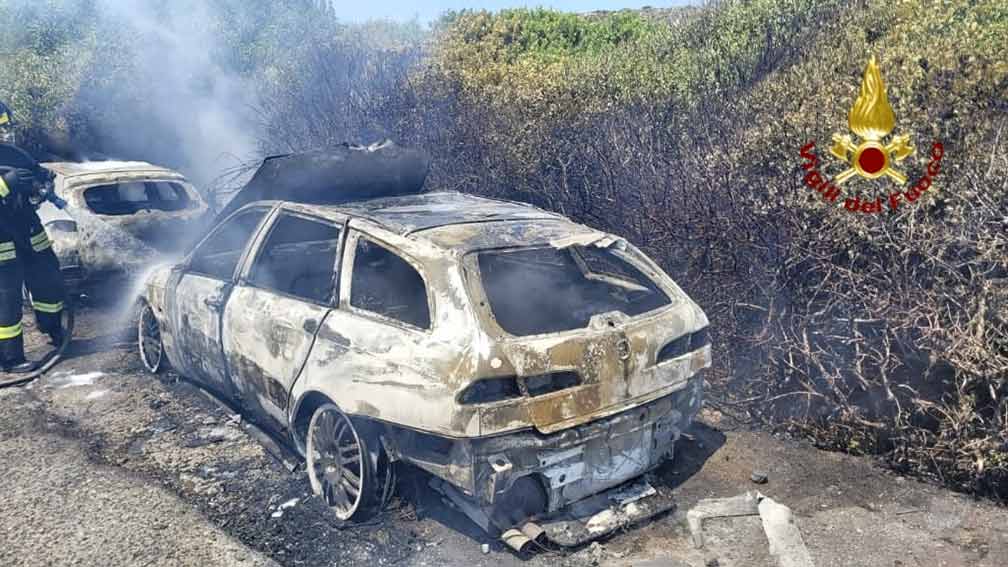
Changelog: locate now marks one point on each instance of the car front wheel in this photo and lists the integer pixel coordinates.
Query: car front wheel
(339, 466)
(149, 340)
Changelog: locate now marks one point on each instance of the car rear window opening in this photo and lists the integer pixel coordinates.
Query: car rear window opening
(547, 290)
(129, 197)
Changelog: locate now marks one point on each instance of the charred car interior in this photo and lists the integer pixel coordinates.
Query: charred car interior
(536, 367)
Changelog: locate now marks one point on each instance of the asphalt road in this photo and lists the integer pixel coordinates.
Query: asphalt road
(106, 465)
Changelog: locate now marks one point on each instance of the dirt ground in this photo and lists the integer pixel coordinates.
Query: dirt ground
(106, 465)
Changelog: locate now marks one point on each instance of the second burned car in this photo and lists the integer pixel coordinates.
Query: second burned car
(120, 218)
(530, 363)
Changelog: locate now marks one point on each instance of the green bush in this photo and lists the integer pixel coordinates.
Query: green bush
(869, 334)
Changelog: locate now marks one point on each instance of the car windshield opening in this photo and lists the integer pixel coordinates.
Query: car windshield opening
(128, 197)
(547, 290)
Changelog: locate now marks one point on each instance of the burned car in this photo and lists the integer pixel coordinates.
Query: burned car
(121, 216)
(529, 363)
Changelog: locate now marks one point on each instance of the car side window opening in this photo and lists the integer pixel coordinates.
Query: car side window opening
(386, 284)
(218, 255)
(548, 290)
(298, 259)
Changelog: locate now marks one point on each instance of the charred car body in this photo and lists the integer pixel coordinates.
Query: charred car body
(120, 217)
(528, 362)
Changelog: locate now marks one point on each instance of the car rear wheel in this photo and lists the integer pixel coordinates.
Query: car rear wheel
(339, 465)
(149, 340)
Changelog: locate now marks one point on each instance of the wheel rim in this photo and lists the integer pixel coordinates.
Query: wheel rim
(336, 462)
(151, 349)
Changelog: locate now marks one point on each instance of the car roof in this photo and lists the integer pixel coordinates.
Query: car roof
(76, 169)
(460, 221)
(410, 214)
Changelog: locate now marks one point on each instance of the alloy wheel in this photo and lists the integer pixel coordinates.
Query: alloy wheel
(338, 466)
(149, 340)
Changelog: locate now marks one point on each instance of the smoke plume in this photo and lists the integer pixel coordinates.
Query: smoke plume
(177, 98)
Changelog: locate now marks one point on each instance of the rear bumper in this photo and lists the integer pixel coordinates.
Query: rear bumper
(82, 265)
(581, 461)
(515, 476)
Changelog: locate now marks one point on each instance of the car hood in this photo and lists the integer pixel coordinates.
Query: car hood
(336, 175)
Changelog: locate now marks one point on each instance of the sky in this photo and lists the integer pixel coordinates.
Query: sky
(427, 10)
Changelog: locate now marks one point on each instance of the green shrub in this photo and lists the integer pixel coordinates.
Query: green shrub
(874, 333)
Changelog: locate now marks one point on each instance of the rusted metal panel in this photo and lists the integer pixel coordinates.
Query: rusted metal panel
(197, 331)
(584, 459)
(442, 362)
(159, 280)
(380, 368)
(266, 339)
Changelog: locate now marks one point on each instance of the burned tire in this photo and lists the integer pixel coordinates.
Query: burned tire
(340, 467)
(149, 340)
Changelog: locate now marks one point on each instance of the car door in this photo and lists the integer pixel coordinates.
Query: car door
(382, 331)
(276, 309)
(202, 291)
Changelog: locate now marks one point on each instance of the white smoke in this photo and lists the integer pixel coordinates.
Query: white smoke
(197, 114)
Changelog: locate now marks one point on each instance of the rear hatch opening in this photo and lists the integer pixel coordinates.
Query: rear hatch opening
(535, 291)
(579, 332)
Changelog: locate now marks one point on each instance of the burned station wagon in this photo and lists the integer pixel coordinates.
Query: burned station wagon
(533, 365)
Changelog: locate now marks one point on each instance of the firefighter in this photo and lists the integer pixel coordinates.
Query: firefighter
(26, 261)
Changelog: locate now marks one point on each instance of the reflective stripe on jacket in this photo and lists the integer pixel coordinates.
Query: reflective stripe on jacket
(12, 332)
(40, 241)
(47, 307)
(7, 252)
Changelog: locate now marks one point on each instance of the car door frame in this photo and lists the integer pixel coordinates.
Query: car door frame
(245, 264)
(337, 219)
(183, 268)
(353, 236)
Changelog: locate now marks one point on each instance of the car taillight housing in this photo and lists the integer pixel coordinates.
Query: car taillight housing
(700, 338)
(490, 390)
(62, 225)
(552, 382)
(684, 345)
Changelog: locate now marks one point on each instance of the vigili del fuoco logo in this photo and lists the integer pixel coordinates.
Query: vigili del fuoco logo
(869, 156)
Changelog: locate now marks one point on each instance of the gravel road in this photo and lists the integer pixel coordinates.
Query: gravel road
(106, 465)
